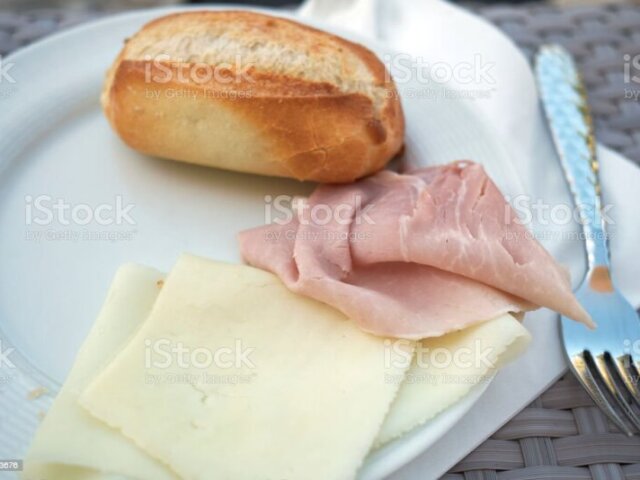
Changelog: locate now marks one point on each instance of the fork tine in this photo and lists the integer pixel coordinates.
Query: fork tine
(617, 387)
(588, 376)
(630, 375)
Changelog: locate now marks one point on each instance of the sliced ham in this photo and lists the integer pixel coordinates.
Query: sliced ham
(413, 255)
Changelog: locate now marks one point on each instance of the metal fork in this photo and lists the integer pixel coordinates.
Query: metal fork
(601, 359)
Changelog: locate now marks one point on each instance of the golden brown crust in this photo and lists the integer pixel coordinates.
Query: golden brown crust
(270, 123)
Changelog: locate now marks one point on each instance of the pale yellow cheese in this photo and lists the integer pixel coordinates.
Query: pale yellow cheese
(56, 471)
(71, 444)
(303, 398)
(444, 369)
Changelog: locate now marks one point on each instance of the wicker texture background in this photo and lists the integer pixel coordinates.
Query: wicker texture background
(561, 435)
(600, 38)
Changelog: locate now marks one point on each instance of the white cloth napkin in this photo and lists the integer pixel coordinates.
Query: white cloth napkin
(440, 32)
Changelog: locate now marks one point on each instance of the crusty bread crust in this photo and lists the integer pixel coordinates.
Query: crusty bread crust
(284, 99)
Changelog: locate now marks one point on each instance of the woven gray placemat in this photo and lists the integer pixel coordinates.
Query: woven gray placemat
(561, 435)
(20, 29)
(604, 40)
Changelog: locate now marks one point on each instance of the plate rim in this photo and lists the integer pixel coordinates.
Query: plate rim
(397, 455)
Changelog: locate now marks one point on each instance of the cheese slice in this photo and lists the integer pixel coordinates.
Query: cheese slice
(234, 376)
(56, 471)
(444, 369)
(71, 444)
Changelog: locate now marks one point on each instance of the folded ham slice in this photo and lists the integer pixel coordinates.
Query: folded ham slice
(413, 255)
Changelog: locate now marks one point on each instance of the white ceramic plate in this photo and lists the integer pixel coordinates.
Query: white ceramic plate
(55, 146)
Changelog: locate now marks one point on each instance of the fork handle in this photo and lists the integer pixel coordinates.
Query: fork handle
(565, 103)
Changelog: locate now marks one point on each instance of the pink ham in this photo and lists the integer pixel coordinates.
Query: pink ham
(415, 255)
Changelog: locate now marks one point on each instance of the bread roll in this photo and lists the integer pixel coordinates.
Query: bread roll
(253, 93)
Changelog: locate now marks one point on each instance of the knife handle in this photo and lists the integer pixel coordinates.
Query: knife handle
(565, 103)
